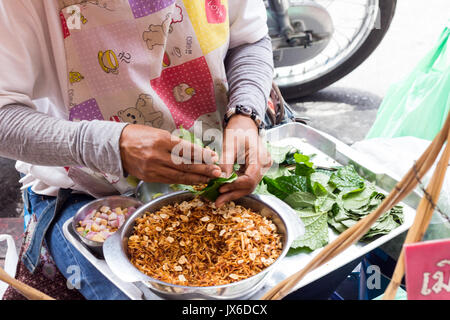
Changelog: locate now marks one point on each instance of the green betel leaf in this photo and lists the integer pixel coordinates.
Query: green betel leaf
(325, 203)
(189, 136)
(273, 188)
(291, 184)
(322, 179)
(325, 171)
(283, 186)
(278, 153)
(290, 158)
(211, 191)
(338, 226)
(301, 158)
(304, 167)
(319, 190)
(261, 188)
(275, 172)
(316, 230)
(347, 180)
(299, 200)
(359, 199)
(182, 187)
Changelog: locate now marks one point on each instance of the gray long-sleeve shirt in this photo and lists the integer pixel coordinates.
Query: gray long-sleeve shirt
(37, 138)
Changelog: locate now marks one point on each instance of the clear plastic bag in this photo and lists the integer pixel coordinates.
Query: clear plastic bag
(398, 155)
(418, 105)
(11, 260)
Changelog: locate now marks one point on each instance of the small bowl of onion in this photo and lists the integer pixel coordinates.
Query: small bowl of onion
(101, 218)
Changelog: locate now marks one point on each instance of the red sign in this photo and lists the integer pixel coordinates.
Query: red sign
(428, 270)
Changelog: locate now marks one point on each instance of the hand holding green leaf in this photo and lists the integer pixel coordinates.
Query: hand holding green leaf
(242, 145)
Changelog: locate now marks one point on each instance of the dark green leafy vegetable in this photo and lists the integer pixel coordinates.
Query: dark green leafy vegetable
(289, 158)
(211, 191)
(303, 166)
(286, 185)
(303, 159)
(347, 180)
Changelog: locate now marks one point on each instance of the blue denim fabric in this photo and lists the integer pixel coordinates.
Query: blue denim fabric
(91, 283)
(44, 208)
(26, 211)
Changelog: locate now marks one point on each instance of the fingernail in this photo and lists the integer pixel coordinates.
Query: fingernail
(217, 172)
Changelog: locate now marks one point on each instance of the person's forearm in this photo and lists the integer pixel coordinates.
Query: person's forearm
(37, 138)
(250, 74)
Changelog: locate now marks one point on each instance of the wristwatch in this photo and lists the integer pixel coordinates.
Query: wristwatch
(246, 111)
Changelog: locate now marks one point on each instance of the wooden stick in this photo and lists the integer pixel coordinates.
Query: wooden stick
(353, 234)
(29, 292)
(422, 220)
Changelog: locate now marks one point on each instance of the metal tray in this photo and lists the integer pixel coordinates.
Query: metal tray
(329, 152)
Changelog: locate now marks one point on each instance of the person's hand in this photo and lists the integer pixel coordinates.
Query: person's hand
(148, 154)
(242, 145)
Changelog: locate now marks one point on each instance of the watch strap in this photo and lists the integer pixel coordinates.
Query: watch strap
(246, 111)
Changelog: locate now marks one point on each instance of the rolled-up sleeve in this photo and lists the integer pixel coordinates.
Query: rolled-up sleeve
(249, 62)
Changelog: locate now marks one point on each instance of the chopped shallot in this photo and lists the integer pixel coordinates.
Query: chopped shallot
(99, 224)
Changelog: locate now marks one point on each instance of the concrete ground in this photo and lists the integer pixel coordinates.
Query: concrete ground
(346, 109)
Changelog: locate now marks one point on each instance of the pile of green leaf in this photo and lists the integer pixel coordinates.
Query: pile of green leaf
(322, 197)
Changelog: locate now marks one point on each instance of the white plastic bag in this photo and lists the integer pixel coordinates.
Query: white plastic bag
(11, 260)
(398, 155)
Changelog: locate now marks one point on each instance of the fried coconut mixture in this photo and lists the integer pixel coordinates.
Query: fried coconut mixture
(193, 243)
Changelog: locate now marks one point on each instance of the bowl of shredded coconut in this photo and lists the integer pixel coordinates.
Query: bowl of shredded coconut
(182, 246)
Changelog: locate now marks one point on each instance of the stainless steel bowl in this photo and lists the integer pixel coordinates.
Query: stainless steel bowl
(146, 191)
(115, 250)
(112, 202)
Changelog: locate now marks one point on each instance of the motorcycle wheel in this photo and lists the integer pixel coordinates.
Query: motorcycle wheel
(303, 87)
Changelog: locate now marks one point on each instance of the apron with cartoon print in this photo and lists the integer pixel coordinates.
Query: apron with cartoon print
(152, 62)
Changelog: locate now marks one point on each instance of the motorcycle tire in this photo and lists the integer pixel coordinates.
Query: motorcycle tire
(387, 10)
